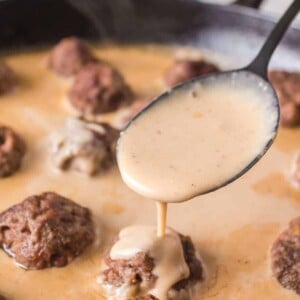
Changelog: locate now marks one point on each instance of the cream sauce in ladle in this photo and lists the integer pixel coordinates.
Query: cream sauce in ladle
(197, 138)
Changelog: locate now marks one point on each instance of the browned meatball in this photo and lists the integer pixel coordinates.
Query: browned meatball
(287, 86)
(139, 270)
(285, 257)
(45, 230)
(184, 69)
(129, 272)
(12, 150)
(69, 56)
(84, 146)
(290, 114)
(8, 79)
(98, 88)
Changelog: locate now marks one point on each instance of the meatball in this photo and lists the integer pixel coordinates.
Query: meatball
(138, 272)
(129, 272)
(185, 69)
(287, 86)
(45, 230)
(290, 114)
(285, 257)
(99, 88)
(127, 114)
(69, 56)
(12, 150)
(8, 79)
(295, 174)
(85, 147)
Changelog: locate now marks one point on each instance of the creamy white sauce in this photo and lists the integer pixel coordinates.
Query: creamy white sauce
(167, 253)
(197, 138)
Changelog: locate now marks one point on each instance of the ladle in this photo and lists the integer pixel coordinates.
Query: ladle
(255, 74)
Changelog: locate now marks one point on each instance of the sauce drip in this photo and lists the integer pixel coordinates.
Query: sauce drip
(164, 251)
(162, 208)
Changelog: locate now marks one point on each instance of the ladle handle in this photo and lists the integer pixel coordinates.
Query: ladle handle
(249, 3)
(260, 64)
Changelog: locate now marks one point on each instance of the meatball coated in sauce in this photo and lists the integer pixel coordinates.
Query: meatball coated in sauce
(194, 264)
(287, 86)
(69, 56)
(138, 272)
(285, 257)
(12, 150)
(129, 272)
(84, 147)
(8, 79)
(185, 69)
(99, 88)
(45, 230)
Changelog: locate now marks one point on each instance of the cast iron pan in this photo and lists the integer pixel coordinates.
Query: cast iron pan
(234, 30)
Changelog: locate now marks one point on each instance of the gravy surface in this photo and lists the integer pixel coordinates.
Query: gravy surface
(196, 138)
(232, 228)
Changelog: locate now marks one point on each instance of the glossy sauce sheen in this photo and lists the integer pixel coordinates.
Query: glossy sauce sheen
(232, 228)
(196, 138)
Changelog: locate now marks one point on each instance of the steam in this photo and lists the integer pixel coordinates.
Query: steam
(109, 16)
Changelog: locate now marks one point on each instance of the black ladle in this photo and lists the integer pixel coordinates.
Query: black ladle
(256, 73)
